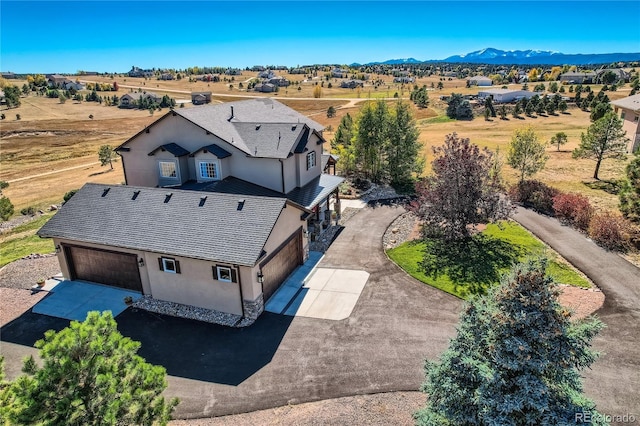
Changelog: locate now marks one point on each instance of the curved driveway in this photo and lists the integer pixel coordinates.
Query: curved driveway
(380, 347)
(614, 379)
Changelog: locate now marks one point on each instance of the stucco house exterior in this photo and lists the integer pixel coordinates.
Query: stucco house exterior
(130, 100)
(219, 206)
(573, 77)
(629, 111)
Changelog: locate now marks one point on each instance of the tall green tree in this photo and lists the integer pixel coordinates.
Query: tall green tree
(516, 359)
(452, 106)
(526, 153)
(605, 138)
(461, 192)
(90, 375)
(342, 145)
(630, 191)
(403, 149)
(371, 139)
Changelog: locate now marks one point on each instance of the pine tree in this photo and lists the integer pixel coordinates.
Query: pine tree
(526, 153)
(91, 375)
(402, 153)
(515, 359)
(604, 139)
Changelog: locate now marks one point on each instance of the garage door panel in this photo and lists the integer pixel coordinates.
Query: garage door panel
(280, 266)
(104, 267)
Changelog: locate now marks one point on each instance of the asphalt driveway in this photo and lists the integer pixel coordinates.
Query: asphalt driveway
(614, 379)
(215, 370)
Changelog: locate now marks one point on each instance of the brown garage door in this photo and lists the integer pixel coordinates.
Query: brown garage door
(104, 267)
(277, 268)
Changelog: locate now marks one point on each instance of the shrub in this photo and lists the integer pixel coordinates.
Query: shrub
(28, 211)
(573, 209)
(534, 194)
(610, 231)
(68, 195)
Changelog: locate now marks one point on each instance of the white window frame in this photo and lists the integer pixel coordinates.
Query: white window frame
(216, 165)
(311, 160)
(175, 169)
(219, 270)
(165, 265)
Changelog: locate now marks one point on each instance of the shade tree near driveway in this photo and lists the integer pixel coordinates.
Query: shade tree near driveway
(461, 192)
(516, 359)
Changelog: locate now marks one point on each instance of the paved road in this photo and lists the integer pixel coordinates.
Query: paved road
(614, 380)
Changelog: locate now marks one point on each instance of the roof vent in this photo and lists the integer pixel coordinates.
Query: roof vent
(255, 151)
(258, 126)
(294, 127)
(232, 116)
(105, 192)
(240, 204)
(135, 194)
(202, 200)
(167, 196)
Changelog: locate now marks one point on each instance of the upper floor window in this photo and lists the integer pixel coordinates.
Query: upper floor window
(168, 169)
(635, 119)
(209, 170)
(622, 115)
(311, 160)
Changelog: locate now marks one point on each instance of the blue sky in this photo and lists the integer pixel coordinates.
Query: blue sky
(64, 37)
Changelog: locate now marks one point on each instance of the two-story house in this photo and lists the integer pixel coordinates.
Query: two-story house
(219, 206)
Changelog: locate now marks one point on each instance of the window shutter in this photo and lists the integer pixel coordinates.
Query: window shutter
(160, 264)
(177, 266)
(214, 268)
(234, 275)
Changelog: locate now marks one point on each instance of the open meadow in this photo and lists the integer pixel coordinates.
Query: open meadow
(53, 147)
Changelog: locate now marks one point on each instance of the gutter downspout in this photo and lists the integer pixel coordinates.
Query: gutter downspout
(282, 174)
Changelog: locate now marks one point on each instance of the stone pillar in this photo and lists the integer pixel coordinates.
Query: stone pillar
(253, 309)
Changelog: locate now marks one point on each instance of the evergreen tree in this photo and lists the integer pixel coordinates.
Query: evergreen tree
(453, 104)
(371, 138)
(402, 153)
(488, 103)
(630, 191)
(558, 139)
(604, 139)
(91, 375)
(516, 359)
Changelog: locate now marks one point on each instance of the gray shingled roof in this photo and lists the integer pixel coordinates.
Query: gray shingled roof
(308, 196)
(218, 119)
(180, 225)
(630, 102)
(215, 150)
(270, 140)
(173, 148)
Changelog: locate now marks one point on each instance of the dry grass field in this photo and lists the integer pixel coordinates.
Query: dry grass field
(53, 147)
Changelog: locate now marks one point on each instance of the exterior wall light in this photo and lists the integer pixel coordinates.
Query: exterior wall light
(260, 278)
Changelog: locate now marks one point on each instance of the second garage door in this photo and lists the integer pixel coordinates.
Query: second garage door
(276, 269)
(105, 267)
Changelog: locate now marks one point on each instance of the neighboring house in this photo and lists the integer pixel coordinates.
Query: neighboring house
(339, 73)
(8, 75)
(480, 80)
(629, 110)
(219, 206)
(279, 81)
(233, 71)
(403, 80)
(351, 84)
(166, 76)
(56, 80)
(573, 77)
(266, 74)
(70, 84)
(503, 96)
(139, 72)
(299, 71)
(265, 87)
(130, 100)
(200, 98)
(621, 75)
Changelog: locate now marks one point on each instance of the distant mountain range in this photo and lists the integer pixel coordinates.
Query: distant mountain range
(523, 57)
